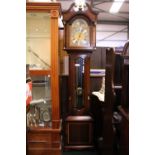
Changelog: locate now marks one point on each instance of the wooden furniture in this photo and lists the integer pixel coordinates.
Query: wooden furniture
(80, 38)
(43, 119)
(121, 102)
(107, 131)
(103, 111)
(111, 117)
(124, 107)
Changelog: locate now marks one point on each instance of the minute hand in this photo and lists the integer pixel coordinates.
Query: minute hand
(81, 32)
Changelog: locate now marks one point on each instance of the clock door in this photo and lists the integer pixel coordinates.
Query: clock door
(79, 83)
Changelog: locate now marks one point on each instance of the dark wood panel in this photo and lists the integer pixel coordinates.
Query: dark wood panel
(82, 135)
(103, 56)
(95, 83)
(64, 95)
(96, 58)
(80, 132)
(118, 69)
(125, 83)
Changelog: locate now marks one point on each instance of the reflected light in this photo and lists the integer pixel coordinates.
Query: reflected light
(116, 6)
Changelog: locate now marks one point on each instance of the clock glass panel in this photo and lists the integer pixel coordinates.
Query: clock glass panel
(79, 33)
(79, 82)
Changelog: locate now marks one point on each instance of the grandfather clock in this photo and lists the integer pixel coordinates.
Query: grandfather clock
(79, 42)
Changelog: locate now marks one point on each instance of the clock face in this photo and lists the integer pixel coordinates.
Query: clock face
(46, 116)
(79, 33)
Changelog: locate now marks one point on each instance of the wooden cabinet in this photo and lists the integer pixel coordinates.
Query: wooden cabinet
(42, 40)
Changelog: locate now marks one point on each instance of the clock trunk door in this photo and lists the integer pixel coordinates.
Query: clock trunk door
(79, 83)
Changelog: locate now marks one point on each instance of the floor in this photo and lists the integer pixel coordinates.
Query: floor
(79, 153)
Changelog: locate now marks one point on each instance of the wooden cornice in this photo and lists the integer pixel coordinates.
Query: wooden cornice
(42, 7)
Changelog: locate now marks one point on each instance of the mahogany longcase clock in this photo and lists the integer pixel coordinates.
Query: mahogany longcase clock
(79, 42)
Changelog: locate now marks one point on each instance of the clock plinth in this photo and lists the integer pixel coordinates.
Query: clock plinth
(80, 42)
(80, 129)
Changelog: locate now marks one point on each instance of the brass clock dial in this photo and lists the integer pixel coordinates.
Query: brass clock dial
(79, 33)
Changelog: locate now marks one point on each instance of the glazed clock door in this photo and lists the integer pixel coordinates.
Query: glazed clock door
(79, 82)
(79, 77)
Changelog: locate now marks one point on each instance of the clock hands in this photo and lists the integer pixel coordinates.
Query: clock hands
(79, 36)
(82, 37)
(76, 36)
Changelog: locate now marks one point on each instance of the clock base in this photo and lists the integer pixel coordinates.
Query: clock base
(78, 133)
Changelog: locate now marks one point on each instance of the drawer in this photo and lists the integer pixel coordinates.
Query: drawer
(39, 152)
(39, 140)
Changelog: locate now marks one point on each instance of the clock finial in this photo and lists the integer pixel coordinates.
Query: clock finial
(79, 5)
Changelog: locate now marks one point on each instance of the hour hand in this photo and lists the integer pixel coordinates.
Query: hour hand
(75, 41)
